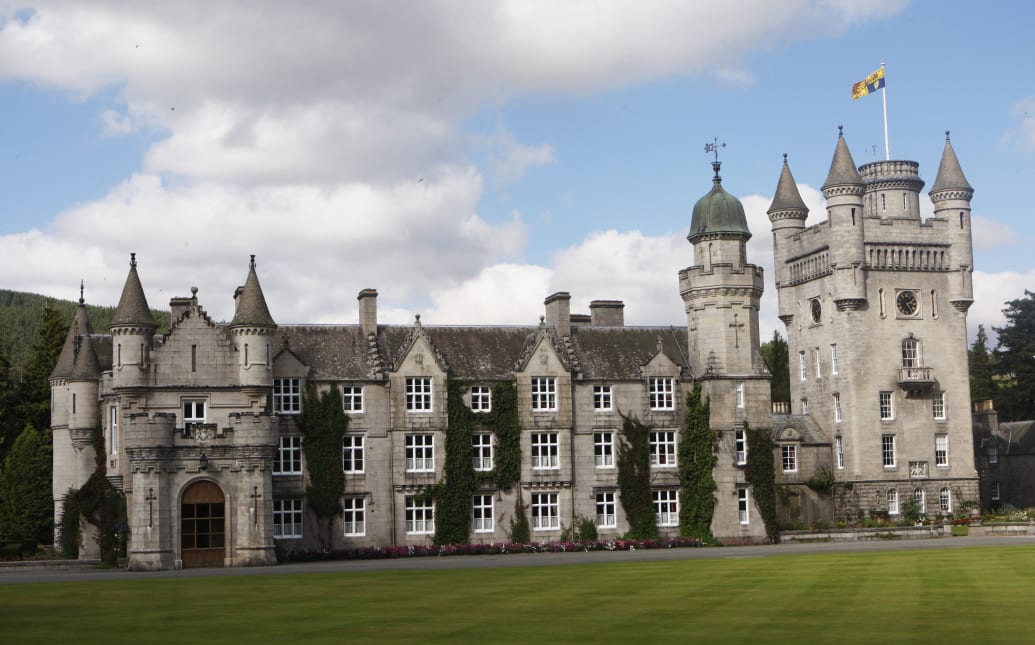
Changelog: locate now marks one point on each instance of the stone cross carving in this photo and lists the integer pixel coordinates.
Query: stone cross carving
(736, 331)
(150, 499)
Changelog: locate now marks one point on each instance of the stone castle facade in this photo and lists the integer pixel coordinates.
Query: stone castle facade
(201, 424)
(875, 300)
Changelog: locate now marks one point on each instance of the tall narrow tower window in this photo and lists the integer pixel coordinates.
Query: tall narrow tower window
(194, 358)
(883, 202)
(853, 217)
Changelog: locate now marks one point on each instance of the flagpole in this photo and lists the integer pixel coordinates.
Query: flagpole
(884, 98)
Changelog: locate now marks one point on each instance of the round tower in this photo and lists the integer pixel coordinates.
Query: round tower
(951, 195)
(787, 214)
(251, 331)
(132, 333)
(844, 190)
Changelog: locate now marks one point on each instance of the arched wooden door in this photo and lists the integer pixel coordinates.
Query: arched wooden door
(203, 526)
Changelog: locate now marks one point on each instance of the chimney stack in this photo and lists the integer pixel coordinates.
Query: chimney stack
(558, 312)
(368, 311)
(607, 313)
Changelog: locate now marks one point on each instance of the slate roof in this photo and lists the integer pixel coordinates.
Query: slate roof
(1018, 437)
(252, 310)
(484, 353)
(842, 167)
(66, 359)
(787, 196)
(133, 309)
(950, 174)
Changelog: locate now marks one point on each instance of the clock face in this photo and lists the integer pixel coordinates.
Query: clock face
(816, 310)
(907, 304)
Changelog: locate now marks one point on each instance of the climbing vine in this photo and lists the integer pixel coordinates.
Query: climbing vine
(761, 474)
(634, 479)
(453, 494)
(100, 504)
(323, 424)
(696, 465)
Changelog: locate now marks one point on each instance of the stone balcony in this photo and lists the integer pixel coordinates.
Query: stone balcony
(916, 379)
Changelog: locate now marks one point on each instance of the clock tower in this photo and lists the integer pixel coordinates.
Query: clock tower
(874, 298)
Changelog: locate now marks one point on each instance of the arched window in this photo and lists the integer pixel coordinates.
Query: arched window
(910, 352)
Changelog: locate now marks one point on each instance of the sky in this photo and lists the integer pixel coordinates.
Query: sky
(469, 158)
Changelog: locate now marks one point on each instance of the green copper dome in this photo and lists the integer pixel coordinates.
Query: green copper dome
(718, 212)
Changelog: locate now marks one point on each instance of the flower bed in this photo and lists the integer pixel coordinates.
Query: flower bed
(497, 548)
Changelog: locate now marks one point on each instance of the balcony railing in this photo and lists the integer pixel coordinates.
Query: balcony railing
(916, 378)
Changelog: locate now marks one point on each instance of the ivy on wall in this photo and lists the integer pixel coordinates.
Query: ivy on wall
(323, 424)
(634, 479)
(696, 463)
(453, 494)
(101, 505)
(761, 474)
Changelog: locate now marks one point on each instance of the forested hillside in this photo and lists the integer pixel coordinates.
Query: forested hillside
(20, 316)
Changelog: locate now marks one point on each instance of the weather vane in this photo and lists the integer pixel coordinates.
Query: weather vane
(714, 148)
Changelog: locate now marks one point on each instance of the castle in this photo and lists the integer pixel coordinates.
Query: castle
(201, 424)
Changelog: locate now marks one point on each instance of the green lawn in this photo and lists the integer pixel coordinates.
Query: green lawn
(952, 595)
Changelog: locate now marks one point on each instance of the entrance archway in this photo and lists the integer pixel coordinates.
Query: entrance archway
(203, 526)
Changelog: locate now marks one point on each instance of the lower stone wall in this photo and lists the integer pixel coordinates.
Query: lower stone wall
(857, 535)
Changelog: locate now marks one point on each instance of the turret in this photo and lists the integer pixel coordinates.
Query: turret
(132, 333)
(844, 190)
(718, 228)
(951, 195)
(787, 214)
(251, 330)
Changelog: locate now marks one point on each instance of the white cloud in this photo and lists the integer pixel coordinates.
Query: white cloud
(990, 233)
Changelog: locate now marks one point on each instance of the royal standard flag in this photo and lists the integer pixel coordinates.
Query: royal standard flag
(869, 85)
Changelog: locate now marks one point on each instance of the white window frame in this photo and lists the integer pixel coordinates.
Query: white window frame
(352, 399)
(941, 449)
(789, 457)
(661, 391)
(920, 497)
(113, 425)
(837, 407)
(481, 398)
(603, 398)
(740, 395)
(835, 365)
(945, 500)
(482, 450)
(993, 453)
(819, 363)
(803, 368)
(288, 460)
(887, 405)
(544, 393)
(892, 497)
(482, 513)
(604, 449)
(839, 452)
(354, 516)
(193, 411)
(889, 458)
(546, 515)
(419, 394)
(666, 507)
(740, 446)
(995, 491)
(287, 518)
(911, 356)
(938, 409)
(662, 448)
(605, 507)
(287, 395)
(743, 505)
(804, 405)
(545, 451)
(420, 453)
(420, 515)
(353, 454)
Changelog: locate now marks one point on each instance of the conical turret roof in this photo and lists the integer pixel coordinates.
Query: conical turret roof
(87, 367)
(251, 303)
(950, 175)
(843, 171)
(80, 327)
(787, 197)
(718, 212)
(133, 309)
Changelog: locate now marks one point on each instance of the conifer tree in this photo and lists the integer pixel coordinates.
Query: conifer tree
(34, 390)
(774, 354)
(8, 422)
(1014, 364)
(982, 383)
(26, 510)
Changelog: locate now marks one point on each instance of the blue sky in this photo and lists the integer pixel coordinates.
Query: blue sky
(467, 159)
